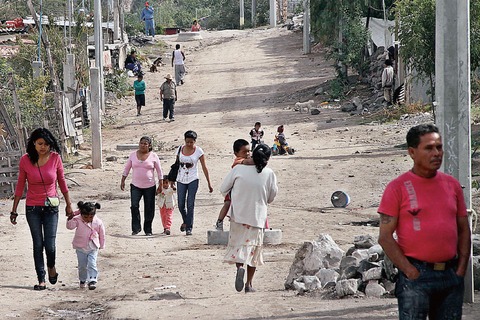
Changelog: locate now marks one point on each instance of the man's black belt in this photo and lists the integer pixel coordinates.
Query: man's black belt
(437, 266)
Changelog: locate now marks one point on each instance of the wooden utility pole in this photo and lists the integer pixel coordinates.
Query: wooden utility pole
(53, 77)
(452, 91)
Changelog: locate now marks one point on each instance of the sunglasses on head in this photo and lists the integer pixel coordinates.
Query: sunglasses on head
(186, 164)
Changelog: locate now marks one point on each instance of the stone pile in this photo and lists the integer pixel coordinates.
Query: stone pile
(363, 270)
(322, 265)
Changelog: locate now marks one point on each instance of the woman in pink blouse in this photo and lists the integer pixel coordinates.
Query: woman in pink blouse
(41, 167)
(143, 163)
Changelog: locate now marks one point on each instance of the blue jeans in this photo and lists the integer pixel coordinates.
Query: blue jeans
(187, 192)
(150, 27)
(87, 265)
(168, 106)
(148, 195)
(438, 294)
(43, 222)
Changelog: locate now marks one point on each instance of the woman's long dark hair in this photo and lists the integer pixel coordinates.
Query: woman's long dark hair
(261, 155)
(40, 133)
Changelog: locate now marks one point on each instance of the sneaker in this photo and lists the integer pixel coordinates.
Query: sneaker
(167, 232)
(148, 234)
(189, 232)
(134, 233)
(82, 285)
(219, 225)
(92, 285)
(183, 227)
(172, 119)
(164, 119)
(239, 279)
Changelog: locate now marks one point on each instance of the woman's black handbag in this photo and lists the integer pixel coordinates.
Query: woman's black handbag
(173, 173)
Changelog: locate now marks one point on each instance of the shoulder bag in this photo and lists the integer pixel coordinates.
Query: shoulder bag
(172, 175)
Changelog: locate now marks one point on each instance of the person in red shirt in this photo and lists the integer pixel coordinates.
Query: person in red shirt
(426, 210)
(41, 167)
(196, 26)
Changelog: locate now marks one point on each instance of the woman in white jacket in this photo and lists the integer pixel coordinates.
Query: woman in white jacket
(251, 189)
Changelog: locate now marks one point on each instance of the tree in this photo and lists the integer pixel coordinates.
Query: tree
(416, 19)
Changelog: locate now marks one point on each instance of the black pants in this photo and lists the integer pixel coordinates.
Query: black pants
(148, 206)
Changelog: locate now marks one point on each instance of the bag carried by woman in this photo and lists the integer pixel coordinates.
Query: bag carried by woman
(172, 175)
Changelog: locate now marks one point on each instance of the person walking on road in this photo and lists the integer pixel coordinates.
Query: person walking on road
(147, 16)
(40, 169)
(189, 156)
(178, 61)
(168, 94)
(251, 189)
(143, 162)
(139, 86)
(426, 210)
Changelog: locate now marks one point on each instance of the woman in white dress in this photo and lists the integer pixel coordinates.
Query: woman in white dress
(251, 189)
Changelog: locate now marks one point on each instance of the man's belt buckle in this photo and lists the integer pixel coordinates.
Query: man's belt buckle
(441, 266)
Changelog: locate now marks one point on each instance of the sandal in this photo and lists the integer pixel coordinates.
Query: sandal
(38, 287)
(53, 279)
(239, 279)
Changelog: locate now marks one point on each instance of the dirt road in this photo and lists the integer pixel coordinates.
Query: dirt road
(233, 80)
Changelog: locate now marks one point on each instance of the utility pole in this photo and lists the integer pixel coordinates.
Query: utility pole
(273, 14)
(452, 91)
(96, 86)
(306, 27)
(254, 13)
(242, 13)
(98, 36)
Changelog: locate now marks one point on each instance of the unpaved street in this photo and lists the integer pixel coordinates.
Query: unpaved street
(234, 79)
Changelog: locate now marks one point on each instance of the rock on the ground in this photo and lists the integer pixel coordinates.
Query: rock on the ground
(373, 289)
(327, 276)
(364, 241)
(346, 287)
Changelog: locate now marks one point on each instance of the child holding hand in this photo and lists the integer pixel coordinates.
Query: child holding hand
(166, 203)
(89, 238)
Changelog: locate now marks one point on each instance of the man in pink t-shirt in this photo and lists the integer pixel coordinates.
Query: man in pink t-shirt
(426, 210)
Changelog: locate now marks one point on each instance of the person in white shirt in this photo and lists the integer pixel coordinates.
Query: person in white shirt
(178, 61)
(251, 189)
(387, 81)
(187, 179)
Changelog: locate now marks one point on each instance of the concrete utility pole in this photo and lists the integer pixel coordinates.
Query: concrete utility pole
(242, 13)
(273, 13)
(254, 13)
(96, 118)
(96, 89)
(452, 78)
(306, 27)
(98, 35)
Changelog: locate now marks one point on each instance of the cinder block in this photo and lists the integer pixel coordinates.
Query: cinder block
(127, 146)
(217, 237)
(273, 236)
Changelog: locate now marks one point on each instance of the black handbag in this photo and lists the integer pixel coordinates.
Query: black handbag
(173, 173)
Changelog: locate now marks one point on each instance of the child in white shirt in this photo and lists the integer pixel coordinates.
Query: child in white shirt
(89, 238)
(166, 203)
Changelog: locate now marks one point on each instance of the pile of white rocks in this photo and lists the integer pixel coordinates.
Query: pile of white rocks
(322, 265)
(363, 270)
